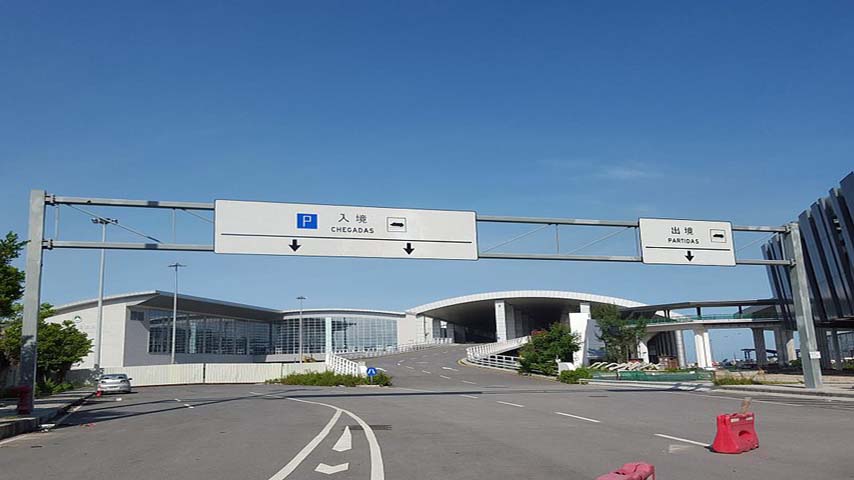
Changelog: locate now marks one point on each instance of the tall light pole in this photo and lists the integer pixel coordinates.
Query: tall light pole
(176, 266)
(301, 299)
(100, 319)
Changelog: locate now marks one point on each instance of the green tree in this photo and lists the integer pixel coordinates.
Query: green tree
(620, 335)
(60, 346)
(539, 355)
(11, 278)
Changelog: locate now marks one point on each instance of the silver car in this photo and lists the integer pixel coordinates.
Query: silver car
(114, 382)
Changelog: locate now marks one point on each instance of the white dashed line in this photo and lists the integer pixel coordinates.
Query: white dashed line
(692, 442)
(451, 369)
(578, 417)
(411, 368)
(188, 405)
(511, 404)
(470, 383)
(469, 396)
(177, 399)
(425, 371)
(446, 378)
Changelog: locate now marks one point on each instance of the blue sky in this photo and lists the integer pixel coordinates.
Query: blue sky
(726, 110)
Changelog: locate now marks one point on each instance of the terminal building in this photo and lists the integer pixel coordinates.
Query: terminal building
(137, 327)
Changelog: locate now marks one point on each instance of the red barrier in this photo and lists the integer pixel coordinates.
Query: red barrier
(98, 393)
(736, 433)
(631, 471)
(23, 393)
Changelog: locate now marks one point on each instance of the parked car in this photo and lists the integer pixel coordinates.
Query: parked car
(114, 382)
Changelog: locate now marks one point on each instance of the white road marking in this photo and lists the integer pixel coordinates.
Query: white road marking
(578, 417)
(329, 469)
(425, 371)
(511, 404)
(447, 378)
(451, 369)
(307, 449)
(692, 442)
(468, 396)
(411, 368)
(345, 442)
(775, 403)
(377, 468)
(725, 397)
(177, 399)
(470, 383)
(188, 405)
(381, 369)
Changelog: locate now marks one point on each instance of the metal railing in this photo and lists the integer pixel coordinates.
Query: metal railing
(344, 366)
(412, 347)
(713, 316)
(486, 349)
(506, 362)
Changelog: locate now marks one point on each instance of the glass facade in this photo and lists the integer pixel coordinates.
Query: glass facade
(207, 334)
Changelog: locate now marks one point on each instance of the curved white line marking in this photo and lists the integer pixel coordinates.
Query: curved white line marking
(306, 450)
(377, 468)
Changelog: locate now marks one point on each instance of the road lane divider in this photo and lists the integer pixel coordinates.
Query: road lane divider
(470, 383)
(446, 378)
(451, 369)
(692, 442)
(308, 448)
(511, 404)
(469, 396)
(425, 371)
(592, 420)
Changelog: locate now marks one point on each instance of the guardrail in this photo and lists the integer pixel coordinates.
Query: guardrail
(411, 347)
(344, 366)
(713, 316)
(506, 362)
(486, 349)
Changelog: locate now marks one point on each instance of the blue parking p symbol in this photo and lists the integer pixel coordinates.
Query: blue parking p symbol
(307, 220)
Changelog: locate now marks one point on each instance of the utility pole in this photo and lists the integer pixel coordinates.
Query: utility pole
(176, 266)
(100, 319)
(301, 299)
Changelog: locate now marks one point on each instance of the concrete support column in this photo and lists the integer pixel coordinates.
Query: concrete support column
(643, 348)
(680, 349)
(500, 321)
(703, 348)
(837, 352)
(759, 345)
(580, 323)
(327, 335)
(780, 345)
(821, 343)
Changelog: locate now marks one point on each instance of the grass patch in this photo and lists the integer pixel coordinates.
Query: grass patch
(332, 379)
(574, 376)
(740, 380)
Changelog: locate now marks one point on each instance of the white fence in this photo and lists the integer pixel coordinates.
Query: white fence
(344, 366)
(486, 349)
(498, 361)
(201, 373)
(411, 347)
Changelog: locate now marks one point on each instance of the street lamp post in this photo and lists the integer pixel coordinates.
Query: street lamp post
(100, 318)
(175, 266)
(300, 298)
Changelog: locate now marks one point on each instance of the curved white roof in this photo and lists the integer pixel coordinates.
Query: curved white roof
(557, 294)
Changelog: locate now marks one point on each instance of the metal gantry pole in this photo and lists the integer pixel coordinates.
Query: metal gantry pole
(100, 315)
(32, 298)
(300, 298)
(803, 310)
(176, 266)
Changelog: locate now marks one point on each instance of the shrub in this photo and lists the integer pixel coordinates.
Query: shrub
(573, 376)
(331, 379)
(52, 387)
(545, 346)
(735, 381)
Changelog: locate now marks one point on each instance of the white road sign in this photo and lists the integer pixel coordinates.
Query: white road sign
(267, 228)
(686, 242)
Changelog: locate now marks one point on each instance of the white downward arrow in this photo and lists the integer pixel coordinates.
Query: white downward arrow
(345, 442)
(329, 470)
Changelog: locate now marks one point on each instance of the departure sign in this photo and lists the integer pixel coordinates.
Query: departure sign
(686, 242)
(300, 229)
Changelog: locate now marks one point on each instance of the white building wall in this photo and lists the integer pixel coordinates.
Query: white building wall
(112, 332)
(407, 329)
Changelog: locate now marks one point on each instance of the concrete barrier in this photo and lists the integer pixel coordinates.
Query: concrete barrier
(201, 373)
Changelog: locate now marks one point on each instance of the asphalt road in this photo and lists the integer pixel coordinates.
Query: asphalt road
(442, 420)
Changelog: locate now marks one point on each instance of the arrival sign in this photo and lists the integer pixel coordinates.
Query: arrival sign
(267, 228)
(686, 242)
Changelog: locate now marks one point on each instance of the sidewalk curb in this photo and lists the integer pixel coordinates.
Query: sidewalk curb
(787, 391)
(19, 425)
(659, 385)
